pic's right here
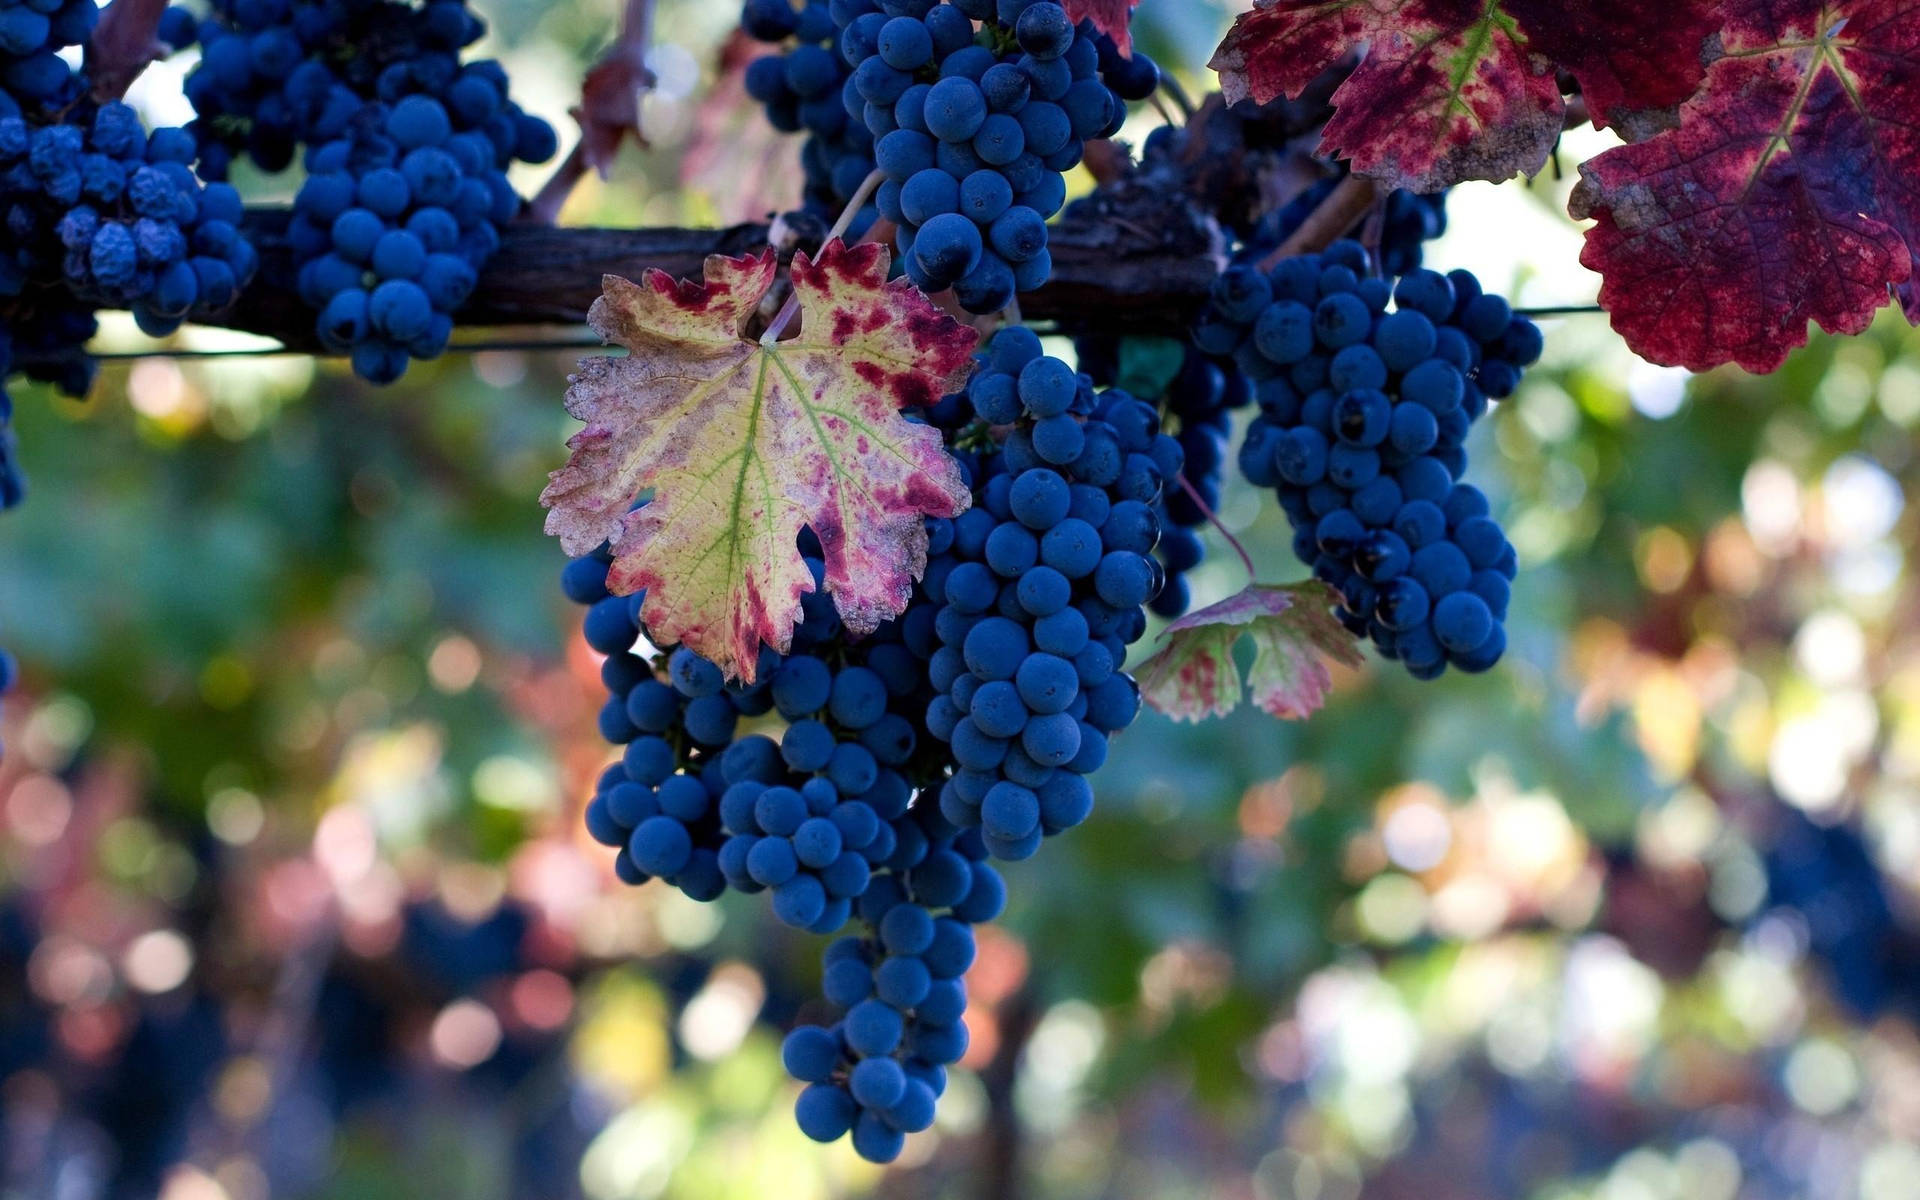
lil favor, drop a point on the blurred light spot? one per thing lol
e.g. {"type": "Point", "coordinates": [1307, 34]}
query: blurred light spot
{"type": "Point", "coordinates": [676, 72]}
{"type": "Point", "coordinates": [1282, 1054]}
{"type": "Point", "coordinates": [55, 730]}
{"type": "Point", "coordinates": [1899, 393]}
{"type": "Point", "coordinates": [1861, 500]}
{"type": "Point", "coordinates": [1470, 906]}
{"type": "Point", "coordinates": [634, 1156]}
{"type": "Point", "coordinates": [1770, 500]}
{"type": "Point", "coordinates": [157, 961]}
{"type": "Point", "coordinates": [1843, 393]}
{"type": "Point", "coordinates": [1708, 1170]}
{"type": "Point", "coordinates": [1678, 832]}
{"type": "Point", "coordinates": [1663, 559]}
{"type": "Point", "coordinates": [344, 845]}
{"type": "Point", "coordinates": [506, 781]}
{"type": "Point", "coordinates": [158, 391]}
{"type": "Point", "coordinates": [1813, 755]}
{"type": "Point", "coordinates": [542, 999]}
{"type": "Point", "coordinates": [1392, 908]}
{"type": "Point", "coordinates": [686, 923]}
{"type": "Point", "coordinates": [717, 1019]}
{"type": "Point", "coordinates": [128, 846]}
{"type": "Point", "coordinates": [187, 1183]}
{"type": "Point", "coordinates": [244, 1090]}
{"type": "Point", "coordinates": [1821, 1077]}
{"type": "Point", "coordinates": [464, 1034]}
{"type": "Point", "coordinates": [1890, 1172]}
{"type": "Point", "coordinates": [500, 368]}
{"type": "Point", "coordinates": [1519, 1038]}
{"type": "Point", "coordinates": [964, 1105]}
{"type": "Point", "coordinates": [1738, 885]}
{"type": "Point", "coordinates": [1869, 570]}
{"type": "Point", "coordinates": [1656, 391]}
{"type": "Point", "coordinates": [1064, 1048]}
{"type": "Point", "coordinates": [338, 662]}
{"type": "Point", "coordinates": [454, 666]}
{"type": "Point", "coordinates": [65, 971]}
{"type": "Point", "coordinates": [243, 1178]}
{"type": "Point", "coordinates": [1417, 835]}
{"type": "Point", "coordinates": [1831, 648]}
{"type": "Point", "coordinates": [1733, 562]}
{"type": "Point", "coordinates": [235, 816]}
{"type": "Point", "coordinates": [1611, 1004]}
{"type": "Point", "coordinates": [38, 809]}
{"type": "Point", "coordinates": [472, 891]}
{"type": "Point", "coordinates": [1188, 970]}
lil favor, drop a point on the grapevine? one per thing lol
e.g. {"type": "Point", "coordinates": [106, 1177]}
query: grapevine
{"type": "Point", "coordinates": [873, 575]}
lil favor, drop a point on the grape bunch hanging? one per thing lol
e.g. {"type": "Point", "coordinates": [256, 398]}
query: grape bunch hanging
{"type": "Point", "coordinates": [869, 784]}
{"type": "Point", "coordinates": [404, 149]}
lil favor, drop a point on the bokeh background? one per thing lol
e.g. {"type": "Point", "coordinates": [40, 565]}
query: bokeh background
{"type": "Point", "coordinates": [295, 899]}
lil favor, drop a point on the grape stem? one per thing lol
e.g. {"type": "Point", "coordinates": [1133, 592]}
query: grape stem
{"type": "Point", "coordinates": [125, 40]}
{"type": "Point", "coordinates": [611, 88]}
{"type": "Point", "coordinates": [1213, 519]}
{"type": "Point", "coordinates": [1347, 203]}
{"type": "Point", "coordinates": [791, 308]}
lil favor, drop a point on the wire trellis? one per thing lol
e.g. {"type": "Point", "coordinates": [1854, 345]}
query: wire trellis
{"type": "Point", "coordinates": [537, 345]}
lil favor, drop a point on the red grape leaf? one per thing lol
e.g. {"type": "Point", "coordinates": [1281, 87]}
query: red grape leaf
{"type": "Point", "coordinates": [1293, 630]}
{"type": "Point", "coordinates": [742, 443]}
{"type": "Point", "coordinates": [1636, 60]}
{"type": "Point", "coordinates": [1789, 192]}
{"type": "Point", "coordinates": [1111, 17]}
{"type": "Point", "coordinates": [1448, 90]}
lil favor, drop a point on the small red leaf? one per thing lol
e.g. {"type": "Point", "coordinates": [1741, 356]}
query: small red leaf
{"type": "Point", "coordinates": [1448, 91]}
{"type": "Point", "coordinates": [1789, 192]}
{"type": "Point", "coordinates": [743, 443]}
{"type": "Point", "coordinates": [1293, 630]}
{"type": "Point", "coordinates": [1111, 17]}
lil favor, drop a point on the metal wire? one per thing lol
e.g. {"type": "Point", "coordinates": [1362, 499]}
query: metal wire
{"type": "Point", "coordinates": [525, 344]}
{"type": "Point", "coordinates": [537, 345]}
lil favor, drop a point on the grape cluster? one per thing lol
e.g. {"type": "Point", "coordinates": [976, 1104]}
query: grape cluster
{"type": "Point", "coordinates": [406, 156]}
{"type": "Point", "coordinates": [1363, 419]}
{"type": "Point", "coordinates": [97, 212]}
{"type": "Point", "coordinates": [1197, 397]}
{"type": "Point", "coordinates": [34, 78]}
{"type": "Point", "coordinates": [808, 86]}
{"type": "Point", "coordinates": [1043, 589]}
{"type": "Point", "coordinates": [1408, 221]}
{"type": "Point", "coordinates": [962, 730]}
{"type": "Point", "coordinates": [275, 75]}
{"type": "Point", "coordinates": [974, 128]}
{"type": "Point", "coordinates": [391, 229]}
{"type": "Point", "coordinates": [137, 229]}
{"type": "Point", "coordinates": [878, 1071]}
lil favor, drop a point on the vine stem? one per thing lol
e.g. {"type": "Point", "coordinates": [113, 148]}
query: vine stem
{"type": "Point", "coordinates": [125, 41]}
{"type": "Point", "coordinates": [626, 57]}
{"type": "Point", "coordinates": [1213, 519]}
{"type": "Point", "coordinates": [791, 308]}
{"type": "Point", "coordinates": [1347, 203]}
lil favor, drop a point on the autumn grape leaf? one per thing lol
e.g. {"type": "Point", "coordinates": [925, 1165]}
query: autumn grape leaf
{"type": "Point", "coordinates": [742, 443]}
{"type": "Point", "coordinates": [1636, 60]}
{"type": "Point", "coordinates": [1448, 90]}
{"type": "Point", "coordinates": [1111, 17]}
{"type": "Point", "coordinates": [1789, 192]}
{"type": "Point", "coordinates": [1293, 630]}
{"type": "Point", "coordinates": [1452, 90]}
